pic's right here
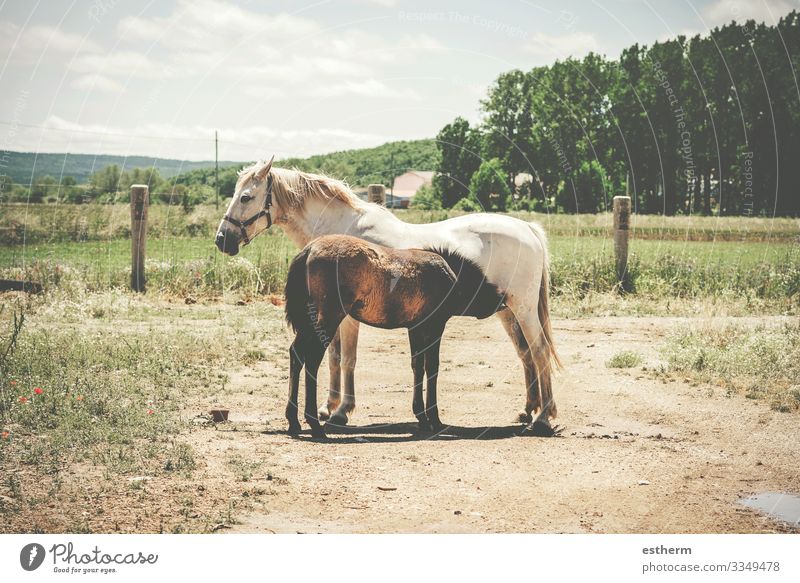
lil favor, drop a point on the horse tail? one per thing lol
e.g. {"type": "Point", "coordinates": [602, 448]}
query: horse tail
{"type": "Point", "coordinates": [296, 291]}
{"type": "Point", "coordinates": [544, 297]}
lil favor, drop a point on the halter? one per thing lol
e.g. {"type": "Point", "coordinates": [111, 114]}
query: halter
{"type": "Point", "coordinates": [264, 212]}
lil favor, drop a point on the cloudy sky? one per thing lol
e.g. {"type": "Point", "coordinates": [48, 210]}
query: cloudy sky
{"type": "Point", "coordinates": [293, 78]}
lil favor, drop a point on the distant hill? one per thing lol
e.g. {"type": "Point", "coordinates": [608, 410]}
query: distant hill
{"type": "Point", "coordinates": [358, 167]}
{"type": "Point", "coordinates": [20, 165]}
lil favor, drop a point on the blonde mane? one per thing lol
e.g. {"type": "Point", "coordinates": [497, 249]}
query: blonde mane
{"type": "Point", "coordinates": [291, 187]}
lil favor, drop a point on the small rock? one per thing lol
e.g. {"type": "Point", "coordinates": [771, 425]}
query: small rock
{"type": "Point", "coordinates": [140, 478]}
{"type": "Point", "coordinates": [644, 483]}
{"type": "Point", "coordinates": [387, 488]}
{"type": "Point", "coordinates": [240, 303]}
{"type": "Point", "coordinates": [457, 512]}
{"type": "Point", "coordinates": [190, 300]}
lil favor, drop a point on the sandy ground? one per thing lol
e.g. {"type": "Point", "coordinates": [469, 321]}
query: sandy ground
{"type": "Point", "coordinates": [638, 453]}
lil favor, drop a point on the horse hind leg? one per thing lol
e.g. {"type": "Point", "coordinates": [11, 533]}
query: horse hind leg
{"type": "Point", "coordinates": [541, 355]}
{"type": "Point", "coordinates": [348, 333]}
{"type": "Point", "coordinates": [532, 398]}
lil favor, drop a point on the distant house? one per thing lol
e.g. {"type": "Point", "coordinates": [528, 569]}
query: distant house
{"type": "Point", "coordinates": [406, 186]}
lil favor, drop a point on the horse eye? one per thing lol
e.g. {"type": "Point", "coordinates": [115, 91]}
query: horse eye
{"type": "Point", "coordinates": [246, 198]}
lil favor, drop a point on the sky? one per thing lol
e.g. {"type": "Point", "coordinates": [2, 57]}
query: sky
{"type": "Point", "coordinates": [294, 78]}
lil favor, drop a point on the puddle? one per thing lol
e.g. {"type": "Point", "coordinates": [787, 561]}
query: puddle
{"type": "Point", "coordinates": [776, 505]}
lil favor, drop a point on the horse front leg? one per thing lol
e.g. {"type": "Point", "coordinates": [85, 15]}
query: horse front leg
{"type": "Point", "coordinates": [313, 359]}
{"type": "Point", "coordinates": [296, 360]}
{"type": "Point", "coordinates": [417, 346]}
{"type": "Point", "coordinates": [335, 382]}
{"type": "Point", "coordinates": [348, 334]}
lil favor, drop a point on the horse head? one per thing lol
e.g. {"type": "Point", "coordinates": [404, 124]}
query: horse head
{"type": "Point", "coordinates": [250, 210]}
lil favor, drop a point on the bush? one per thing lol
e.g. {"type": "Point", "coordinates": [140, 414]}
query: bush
{"type": "Point", "coordinates": [426, 199]}
{"type": "Point", "coordinates": [467, 205]}
{"type": "Point", "coordinates": [489, 185]}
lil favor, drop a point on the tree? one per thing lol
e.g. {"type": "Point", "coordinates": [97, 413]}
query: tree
{"type": "Point", "coordinates": [43, 187]}
{"type": "Point", "coordinates": [489, 185]}
{"type": "Point", "coordinates": [426, 199]}
{"type": "Point", "coordinates": [460, 149]}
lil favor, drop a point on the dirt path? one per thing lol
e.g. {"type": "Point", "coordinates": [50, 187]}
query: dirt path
{"type": "Point", "coordinates": [638, 454]}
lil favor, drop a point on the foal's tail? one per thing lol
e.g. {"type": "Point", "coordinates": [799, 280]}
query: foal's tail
{"type": "Point", "coordinates": [544, 296]}
{"type": "Point", "coordinates": [296, 291]}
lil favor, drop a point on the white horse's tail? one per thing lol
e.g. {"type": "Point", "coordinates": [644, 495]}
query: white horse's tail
{"type": "Point", "coordinates": [544, 296]}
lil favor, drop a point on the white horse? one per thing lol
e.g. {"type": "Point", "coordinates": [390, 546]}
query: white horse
{"type": "Point", "coordinates": [512, 254]}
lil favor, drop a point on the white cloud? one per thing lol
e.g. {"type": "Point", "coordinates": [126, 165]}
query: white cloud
{"type": "Point", "coordinates": [121, 64]}
{"type": "Point", "coordinates": [95, 82]}
{"type": "Point", "coordinates": [192, 143]}
{"type": "Point", "coordinates": [724, 11]}
{"type": "Point", "coordinates": [363, 88]}
{"type": "Point", "coordinates": [549, 47]}
{"type": "Point", "coordinates": [28, 44]}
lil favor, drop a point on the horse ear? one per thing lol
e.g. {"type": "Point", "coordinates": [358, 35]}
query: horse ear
{"type": "Point", "coordinates": [265, 170]}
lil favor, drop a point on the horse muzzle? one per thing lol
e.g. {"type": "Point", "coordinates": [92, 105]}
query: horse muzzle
{"type": "Point", "coordinates": [227, 242]}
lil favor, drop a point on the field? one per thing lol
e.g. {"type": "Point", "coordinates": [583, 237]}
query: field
{"type": "Point", "coordinates": [676, 400]}
{"type": "Point", "coordinates": [742, 262]}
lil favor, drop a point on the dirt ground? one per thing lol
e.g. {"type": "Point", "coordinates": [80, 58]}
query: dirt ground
{"type": "Point", "coordinates": [638, 453]}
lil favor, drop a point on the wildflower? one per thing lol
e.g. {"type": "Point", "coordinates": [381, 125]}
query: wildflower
{"type": "Point", "coordinates": [150, 411]}
{"type": "Point", "coordinates": [23, 400]}
{"type": "Point", "coordinates": [79, 397]}
{"type": "Point", "coordinates": [5, 434]}
{"type": "Point", "coordinates": [13, 382]}
{"type": "Point", "coordinates": [38, 391]}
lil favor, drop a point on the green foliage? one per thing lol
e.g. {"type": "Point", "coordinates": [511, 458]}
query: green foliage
{"type": "Point", "coordinates": [468, 205]}
{"type": "Point", "coordinates": [666, 115]}
{"type": "Point", "coordinates": [460, 153]}
{"type": "Point", "coordinates": [377, 165]}
{"type": "Point", "coordinates": [426, 198]}
{"type": "Point", "coordinates": [488, 186]}
{"type": "Point", "coordinates": [585, 190]}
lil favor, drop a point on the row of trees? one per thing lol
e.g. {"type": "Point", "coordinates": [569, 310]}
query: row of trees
{"type": "Point", "coordinates": [110, 184]}
{"type": "Point", "coordinates": [709, 124]}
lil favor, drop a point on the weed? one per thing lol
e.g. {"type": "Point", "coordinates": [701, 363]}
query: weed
{"type": "Point", "coordinates": [624, 359]}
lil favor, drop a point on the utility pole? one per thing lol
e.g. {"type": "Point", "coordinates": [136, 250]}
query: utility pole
{"type": "Point", "coordinates": [216, 168]}
{"type": "Point", "coordinates": [391, 179]}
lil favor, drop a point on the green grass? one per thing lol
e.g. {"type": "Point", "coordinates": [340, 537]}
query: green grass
{"type": "Point", "coordinates": [761, 362]}
{"type": "Point", "coordinates": [101, 396]}
{"type": "Point", "coordinates": [754, 262]}
{"type": "Point", "coordinates": [624, 359]}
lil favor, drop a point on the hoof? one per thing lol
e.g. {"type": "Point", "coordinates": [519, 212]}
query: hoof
{"type": "Point", "coordinates": [436, 425]}
{"type": "Point", "coordinates": [324, 414]}
{"type": "Point", "coordinates": [294, 429]}
{"type": "Point", "coordinates": [540, 428]}
{"type": "Point", "coordinates": [424, 427]}
{"type": "Point", "coordinates": [337, 419]}
{"type": "Point", "coordinates": [318, 433]}
{"type": "Point", "coordinates": [524, 417]}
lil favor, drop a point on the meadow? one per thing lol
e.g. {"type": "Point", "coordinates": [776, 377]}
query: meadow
{"type": "Point", "coordinates": [754, 262]}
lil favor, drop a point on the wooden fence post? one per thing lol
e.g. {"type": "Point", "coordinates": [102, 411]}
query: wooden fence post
{"type": "Point", "coordinates": [376, 193]}
{"type": "Point", "coordinates": [139, 203]}
{"type": "Point", "coordinates": [622, 219]}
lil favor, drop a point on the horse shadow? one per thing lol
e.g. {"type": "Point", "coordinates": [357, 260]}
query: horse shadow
{"type": "Point", "coordinates": [405, 432]}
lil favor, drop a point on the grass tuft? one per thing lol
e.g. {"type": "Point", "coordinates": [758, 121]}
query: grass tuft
{"type": "Point", "coordinates": [625, 359]}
